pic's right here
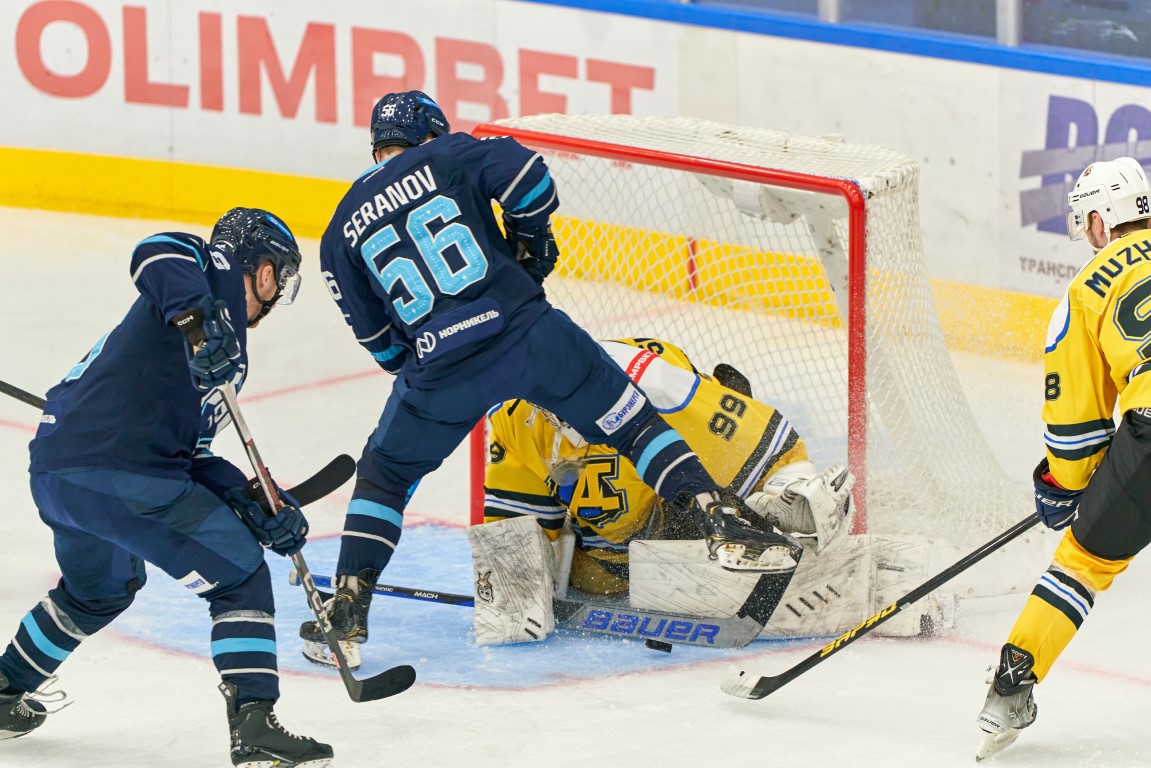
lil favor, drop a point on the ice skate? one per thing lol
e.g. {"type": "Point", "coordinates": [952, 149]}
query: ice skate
{"type": "Point", "coordinates": [1010, 705]}
{"type": "Point", "coordinates": [348, 612]}
{"type": "Point", "coordinates": [259, 741]}
{"type": "Point", "coordinates": [736, 543]}
{"type": "Point", "coordinates": [21, 713]}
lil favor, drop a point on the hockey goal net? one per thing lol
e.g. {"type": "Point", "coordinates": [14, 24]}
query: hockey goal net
{"type": "Point", "coordinates": [796, 259]}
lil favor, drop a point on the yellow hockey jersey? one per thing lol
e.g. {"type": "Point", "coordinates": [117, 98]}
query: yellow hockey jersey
{"type": "Point", "coordinates": [1098, 351]}
{"type": "Point", "coordinates": [535, 469]}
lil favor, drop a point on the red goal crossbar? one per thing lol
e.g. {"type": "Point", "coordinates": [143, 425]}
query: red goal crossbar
{"type": "Point", "coordinates": [857, 277]}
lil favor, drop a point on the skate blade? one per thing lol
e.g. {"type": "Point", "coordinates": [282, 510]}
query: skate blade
{"type": "Point", "coordinates": [994, 743]}
{"type": "Point", "coordinates": [320, 653]}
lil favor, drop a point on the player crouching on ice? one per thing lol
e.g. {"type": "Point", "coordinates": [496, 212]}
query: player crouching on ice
{"type": "Point", "coordinates": [543, 478]}
{"type": "Point", "coordinates": [122, 472]}
{"type": "Point", "coordinates": [1095, 480]}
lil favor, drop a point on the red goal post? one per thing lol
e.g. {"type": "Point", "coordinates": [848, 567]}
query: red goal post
{"type": "Point", "coordinates": [796, 259]}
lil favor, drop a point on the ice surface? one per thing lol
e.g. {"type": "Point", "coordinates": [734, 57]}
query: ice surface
{"type": "Point", "coordinates": [144, 690]}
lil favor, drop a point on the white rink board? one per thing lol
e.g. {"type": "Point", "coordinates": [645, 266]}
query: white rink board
{"type": "Point", "coordinates": [165, 80]}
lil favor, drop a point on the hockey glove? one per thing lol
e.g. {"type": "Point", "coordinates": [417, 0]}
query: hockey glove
{"type": "Point", "coordinates": [285, 533]}
{"type": "Point", "coordinates": [535, 249]}
{"type": "Point", "coordinates": [1057, 507]}
{"type": "Point", "coordinates": [213, 349]}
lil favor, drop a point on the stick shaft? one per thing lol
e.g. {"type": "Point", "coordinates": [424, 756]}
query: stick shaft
{"type": "Point", "coordinates": [23, 396]}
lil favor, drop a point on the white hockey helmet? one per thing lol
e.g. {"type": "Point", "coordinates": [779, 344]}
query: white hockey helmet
{"type": "Point", "coordinates": [1117, 190]}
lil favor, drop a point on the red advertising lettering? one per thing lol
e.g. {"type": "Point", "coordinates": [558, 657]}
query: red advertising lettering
{"type": "Point", "coordinates": [368, 85]}
{"type": "Point", "coordinates": [317, 55]}
{"type": "Point", "coordinates": [138, 88]}
{"type": "Point", "coordinates": [211, 62]}
{"type": "Point", "coordinates": [623, 79]}
{"type": "Point", "coordinates": [453, 89]}
{"type": "Point", "coordinates": [29, 30]}
{"type": "Point", "coordinates": [533, 65]}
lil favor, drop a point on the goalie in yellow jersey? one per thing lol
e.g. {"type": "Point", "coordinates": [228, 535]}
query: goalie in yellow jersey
{"type": "Point", "coordinates": [612, 534]}
{"type": "Point", "coordinates": [1095, 479]}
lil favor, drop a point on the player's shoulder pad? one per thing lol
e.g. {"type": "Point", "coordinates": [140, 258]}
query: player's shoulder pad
{"type": "Point", "coordinates": [177, 243]}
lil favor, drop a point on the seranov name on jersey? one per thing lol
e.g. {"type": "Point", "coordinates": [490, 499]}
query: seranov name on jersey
{"type": "Point", "coordinates": [407, 189]}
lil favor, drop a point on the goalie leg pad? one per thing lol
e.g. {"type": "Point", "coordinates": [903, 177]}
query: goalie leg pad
{"type": "Point", "coordinates": [828, 595]}
{"type": "Point", "coordinates": [514, 583]}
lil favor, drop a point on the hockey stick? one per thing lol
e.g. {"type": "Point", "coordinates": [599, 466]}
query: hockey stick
{"type": "Point", "coordinates": [657, 628]}
{"type": "Point", "coordinates": [737, 683]}
{"type": "Point", "coordinates": [21, 395]}
{"type": "Point", "coordinates": [387, 683]}
{"type": "Point", "coordinates": [330, 477]}
{"type": "Point", "coordinates": [426, 595]}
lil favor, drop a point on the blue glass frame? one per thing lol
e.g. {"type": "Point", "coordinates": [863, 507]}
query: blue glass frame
{"type": "Point", "coordinates": [1087, 65]}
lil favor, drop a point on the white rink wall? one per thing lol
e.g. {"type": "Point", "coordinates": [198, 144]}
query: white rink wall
{"type": "Point", "coordinates": [287, 85]}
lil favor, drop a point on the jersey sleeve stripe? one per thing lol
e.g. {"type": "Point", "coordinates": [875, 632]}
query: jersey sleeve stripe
{"type": "Point", "coordinates": [547, 206]}
{"type": "Point", "coordinates": [377, 334]}
{"type": "Point", "coordinates": [148, 261]}
{"type": "Point", "coordinates": [1078, 454]}
{"type": "Point", "coordinates": [1141, 368]}
{"type": "Point", "coordinates": [778, 438]}
{"type": "Point", "coordinates": [1081, 428]}
{"type": "Point", "coordinates": [506, 507]}
{"type": "Point", "coordinates": [686, 400]}
{"type": "Point", "coordinates": [544, 184]}
{"type": "Point", "coordinates": [503, 198]}
{"type": "Point", "coordinates": [388, 353]}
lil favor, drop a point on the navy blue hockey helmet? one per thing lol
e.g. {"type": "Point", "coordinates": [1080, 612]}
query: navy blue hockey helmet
{"type": "Point", "coordinates": [405, 119]}
{"type": "Point", "coordinates": [253, 236]}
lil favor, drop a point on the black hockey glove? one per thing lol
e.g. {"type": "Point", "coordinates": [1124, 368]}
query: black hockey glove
{"type": "Point", "coordinates": [213, 349]}
{"type": "Point", "coordinates": [285, 533]}
{"type": "Point", "coordinates": [535, 249]}
{"type": "Point", "coordinates": [1057, 507]}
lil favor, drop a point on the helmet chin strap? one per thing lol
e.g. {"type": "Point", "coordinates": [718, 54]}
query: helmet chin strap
{"type": "Point", "coordinates": [265, 306]}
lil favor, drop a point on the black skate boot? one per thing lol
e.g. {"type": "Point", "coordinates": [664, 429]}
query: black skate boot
{"type": "Point", "coordinates": [21, 713]}
{"type": "Point", "coordinates": [259, 741]}
{"type": "Point", "coordinates": [1010, 706]}
{"type": "Point", "coordinates": [348, 612]}
{"type": "Point", "coordinates": [738, 544]}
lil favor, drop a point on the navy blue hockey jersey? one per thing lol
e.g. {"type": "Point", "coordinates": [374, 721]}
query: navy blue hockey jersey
{"type": "Point", "coordinates": [417, 263]}
{"type": "Point", "coordinates": [130, 402]}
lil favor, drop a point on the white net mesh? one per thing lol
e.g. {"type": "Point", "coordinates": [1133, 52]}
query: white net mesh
{"type": "Point", "coordinates": [756, 275]}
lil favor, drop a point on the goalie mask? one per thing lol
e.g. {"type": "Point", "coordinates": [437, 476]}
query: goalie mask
{"type": "Point", "coordinates": [1115, 189]}
{"type": "Point", "coordinates": [405, 120]}
{"type": "Point", "coordinates": [568, 449]}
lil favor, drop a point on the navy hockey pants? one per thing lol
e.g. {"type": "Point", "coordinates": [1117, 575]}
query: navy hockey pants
{"type": "Point", "coordinates": [552, 363]}
{"type": "Point", "coordinates": [105, 523]}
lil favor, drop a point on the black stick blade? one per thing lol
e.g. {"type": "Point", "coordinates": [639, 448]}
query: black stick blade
{"type": "Point", "coordinates": [381, 686]}
{"type": "Point", "coordinates": [337, 472]}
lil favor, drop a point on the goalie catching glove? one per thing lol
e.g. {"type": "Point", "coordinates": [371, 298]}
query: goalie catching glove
{"type": "Point", "coordinates": [534, 248]}
{"type": "Point", "coordinates": [806, 503]}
